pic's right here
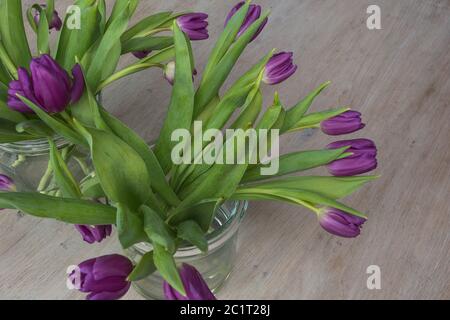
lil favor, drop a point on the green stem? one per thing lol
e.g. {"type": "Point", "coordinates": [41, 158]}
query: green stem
{"type": "Point", "coordinates": [154, 31]}
{"type": "Point", "coordinates": [83, 165]}
{"type": "Point", "coordinates": [20, 159]}
{"type": "Point", "coordinates": [45, 178]}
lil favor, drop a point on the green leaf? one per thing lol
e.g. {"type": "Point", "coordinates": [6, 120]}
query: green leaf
{"type": "Point", "coordinates": [7, 62]}
{"type": "Point", "coordinates": [119, 7]}
{"type": "Point", "coordinates": [8, 114]}
{"type": "Point", "coordinates": [5, 79]}
{"type": "Point", "coordinates": [129, 182]}
{"type": "Point", "coordinates": [43, 35]}
{"type": "Point", "coordinates": [150, 43]}
{"type": "Point", "coordinates": [72, 211]}
{"type": "Point", "coordinates": [210, 86]}
{"type": "Point", "coordinates": [129, 227]}
{"type": "Point", "coordinates": [157, 230]}
{"type": "Point", "coordinates": [64, 178]}
{"type": "Point", "coordinates": [75, 42]}
{"type": "Point", "coordinates": [156, 173]}
{"type": "Point", "coordinates": [226, 39]}
{"type": "Point", "coordinates": [55, 124]}
{"type": "Point", "coordinates": [147, 24]}
{"type": "Point", "coordinates": [295, 114]}
{"type": "Point", "coordinates": [191, 232]}
{"type": "Point", "coordinates": [92, 188]}
{"type": "Point", "coordinates": [315, 119]}
{"type": "Point", "coordinates": [332, 187]}
{"type": "Point", "coordinates": [34, 127]}
{"type": "Point", "coordinates": [9, 134]}
{"type": "Point", "coordinates": [295, 162]}
{"type": "Point", "coordinates": [250, 112]}
{"type": "Point", "coordinates": [49, 8]}
{"type": "Point", "coordinates": [103, 17]}
{"type": "Point", "coordinates": [144, 268]}
{"type": "Point", "coordinates": [166, 266]}
{"type": "Point", "coordinates": [107, 54]}
{"type": "Point", "coordinates": [12, 32]}
{"type": "Point", "coordinates": [182, 102]}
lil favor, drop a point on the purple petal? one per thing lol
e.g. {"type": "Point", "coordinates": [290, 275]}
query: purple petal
{"type": "Point", "coordinates": [109, 295]}
{"type": "Point", "coordinates": [78, 84]}
{"type": "Point", "coordinates": [112, 265]}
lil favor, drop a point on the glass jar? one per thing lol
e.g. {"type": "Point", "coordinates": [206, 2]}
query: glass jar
{"type": "Point", "coordinates": [215, 265]}
{"type": "Point", "coordinates": [27, 163]}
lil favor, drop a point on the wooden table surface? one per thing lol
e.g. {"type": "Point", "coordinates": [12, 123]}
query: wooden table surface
{"type": "Point", "coordinates": [398, 77]}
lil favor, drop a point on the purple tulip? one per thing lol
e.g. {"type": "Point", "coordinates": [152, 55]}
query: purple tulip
{"type": "Point", "coordinates": [105, 278]}
{"type": "Point", "coordinates": [340, 223]}
{"type": "Point", "coordinates": [49, 86]}
{"type": "Point", "coordinates": [362, 160]}
{"type": "Point", "coordinates": [6, 183]}
{"type": "Point", "coordinates": [141, 54]}
{"type": "Point", "coordinates": [347, 122]}
{"type": "Point", "coordinates": [194, 25]}
{"type": "Point", "coordinates": [279, 68]}
{"type": "Point", "coordinates": [56, 22]}
{"type": "Point", "coordinates": [253, 14]}
{"type": "Point", "coordinates": [93, 234]}
{"type": "Point", "coordinates": [196, 288]}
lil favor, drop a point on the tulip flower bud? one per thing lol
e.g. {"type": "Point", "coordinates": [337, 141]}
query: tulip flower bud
{"type": "Point", "coordinates": [196, 288]}
{"type": "Point", "coordinates": [56, 22]}
{"type": "Point", "coordinates": [6, 183]}
{"type": "Point", "coordinates": [169, 72]}
{"type": "Point", "coordinates": [49, 86]}
{"type": "Point", "coordinates": [141, 54]}
{"type": "Point", "coordinates": [194, 25]}
{"type": "Point", "coordinates": [93, 234]}
{"type": "Point", "coordinates": [340, 223]}
{"type": "Point", "coordinates": [347, 122]}
{"type": "Point", "coordinates": [104, 278]}
{"type": "Point", "coordinates": [279, 68]}
{"type": "Point", "coordinates": [253, 14]}
{"type": "Point", "coordinates": [362, 160]}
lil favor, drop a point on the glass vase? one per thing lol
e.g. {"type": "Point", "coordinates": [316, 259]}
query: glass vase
{"type": "Point", "coordinates": [215, 265]}
{"type": "Point", "coordinates": [27, 163]}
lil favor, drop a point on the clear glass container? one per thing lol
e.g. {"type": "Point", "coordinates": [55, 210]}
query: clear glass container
{"type": "Point", "coordinates": [27, 163]}
{"type": "Point", "coordinates": [215, 266]}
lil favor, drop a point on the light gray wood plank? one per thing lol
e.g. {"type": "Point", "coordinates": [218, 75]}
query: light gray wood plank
{"type": "Point", "coordinates": [398, 77]}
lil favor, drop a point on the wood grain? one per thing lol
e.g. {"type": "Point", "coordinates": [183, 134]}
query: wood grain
{"type": "Point", "coordinates": [398, 77]}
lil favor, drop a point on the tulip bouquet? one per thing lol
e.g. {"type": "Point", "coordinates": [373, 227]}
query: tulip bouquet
{"type": "Point", "coordinates": [151, 198]}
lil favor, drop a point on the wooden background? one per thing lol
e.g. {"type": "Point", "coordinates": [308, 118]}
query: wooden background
{"type": "Point", "coordinates": [398, 77]}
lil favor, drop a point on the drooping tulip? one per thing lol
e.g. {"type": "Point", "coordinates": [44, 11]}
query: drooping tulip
{"type": "Point", "coordinates": [194, 285]}
{"type": "Point", "coordinates": [141, 54]}
{"type": "Point", "coordinates": [104, 278]}
{"type": "Point", "coordinates": [6, 183]}
{"type": "Point", "coordinates": [253, 14]}
{"type": "Point", "coordinates": [362, 160]}
{"type": "Point", "coordinates": [340, 223]}
{"type": "Point", "coordinates": [279, 68]}
{"type": "Point", "coordinates": [347, 122]}
{"type": "Point", "coordinates": [56, 22]}
{"type": "Point", "coordinates": [194, 25]}
{"type": "Point", "coordinates": [92, 234]}
{"type": "Point", "coordinates": [49, 86]}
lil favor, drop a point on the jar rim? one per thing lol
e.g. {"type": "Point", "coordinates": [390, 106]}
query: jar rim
{"type": "Point", "coordinates": [219, 235]}
{"type": "Point", "coordinates": [37, 146]}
